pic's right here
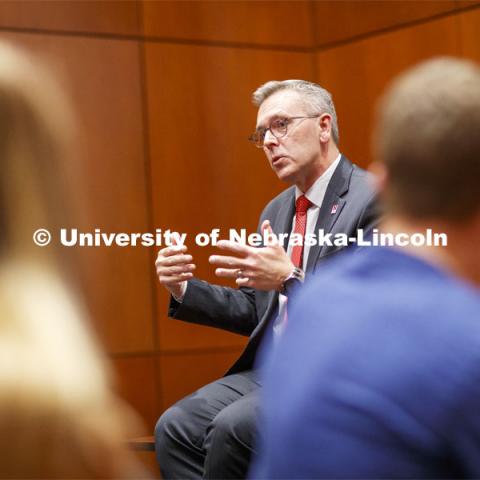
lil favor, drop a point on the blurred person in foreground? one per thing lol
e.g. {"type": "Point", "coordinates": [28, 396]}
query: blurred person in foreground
{"type": "Point", "coordinates": [378, 375]}
{"type": "Point", "coordinates": [58, 415]}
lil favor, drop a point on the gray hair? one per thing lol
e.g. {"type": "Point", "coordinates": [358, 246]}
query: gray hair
{"type": "Point", "coordinates": [317, 99]}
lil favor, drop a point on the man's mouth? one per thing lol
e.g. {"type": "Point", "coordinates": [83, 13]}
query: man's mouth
{"type": "Point", "coordinates": [277, 159]}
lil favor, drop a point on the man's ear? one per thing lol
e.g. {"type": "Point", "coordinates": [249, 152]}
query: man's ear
{"type": "Point", "coordinates": [325, 124]}
{"type": "Point", "coordinates": [380, 174]}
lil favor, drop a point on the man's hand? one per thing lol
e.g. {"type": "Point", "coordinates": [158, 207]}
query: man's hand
{"type": "Point", "coordinates": [263, 268]}
{"type": "Point", "coordinates": [174, 268]}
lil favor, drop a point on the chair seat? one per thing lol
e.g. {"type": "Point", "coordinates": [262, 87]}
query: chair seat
{"type": "Point", "coordinates": [142, 443]}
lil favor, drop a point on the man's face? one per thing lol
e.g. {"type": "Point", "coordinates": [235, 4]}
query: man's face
{"type": "Point", "coordinates": [294, 157]}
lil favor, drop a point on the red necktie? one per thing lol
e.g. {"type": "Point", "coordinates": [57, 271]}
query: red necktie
{"type": "Point", "coordinates": [301, 206]}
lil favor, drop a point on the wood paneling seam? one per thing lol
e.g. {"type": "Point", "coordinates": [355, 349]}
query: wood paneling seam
{"type": "Point", "coordinates": [394, 28]}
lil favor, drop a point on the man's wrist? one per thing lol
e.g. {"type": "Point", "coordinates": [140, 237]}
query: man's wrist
{"type": "Point", "coordinates": [293, 280]}
{"type": "Point", "coordinates": [283, 278]}
{"type": "Point", "coordinates": [179, 295]}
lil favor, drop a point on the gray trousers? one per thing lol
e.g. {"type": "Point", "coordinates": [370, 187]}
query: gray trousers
{"type": "Point", "coordinates": [210, 433]}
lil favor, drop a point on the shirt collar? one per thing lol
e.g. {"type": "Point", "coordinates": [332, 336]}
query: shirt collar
{"type": "Point", "coordinates": [317, 191]}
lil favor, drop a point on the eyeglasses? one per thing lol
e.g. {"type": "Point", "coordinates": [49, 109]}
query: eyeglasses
{"type": "Point", "coordinates": [277, 127]}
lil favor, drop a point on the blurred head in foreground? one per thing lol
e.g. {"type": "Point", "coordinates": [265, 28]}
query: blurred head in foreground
{"type": "Point", "coordinates": [428, 142]}
{"type": "Point", "coordinates": [58, 415]}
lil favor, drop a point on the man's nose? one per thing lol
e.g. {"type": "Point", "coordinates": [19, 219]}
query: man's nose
{"type": "Point", "coordinates": [269, 139]}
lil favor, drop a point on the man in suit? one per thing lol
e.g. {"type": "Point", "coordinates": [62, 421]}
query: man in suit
{"type": "Point", "coordinates": [377, 375]}
{"type": "Point", "coordinates": [210, 433]}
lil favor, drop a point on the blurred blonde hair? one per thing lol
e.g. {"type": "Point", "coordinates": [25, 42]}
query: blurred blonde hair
{"type": "Point", "coordinates": [35, 125]}
{"type": "Point", "coordinates": [58, 415]}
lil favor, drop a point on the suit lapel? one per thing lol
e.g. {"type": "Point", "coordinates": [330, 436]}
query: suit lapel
{"type": "Point", "coordinates": [331, 206]}
{"type": "Point", "coordinates": [283, 222]}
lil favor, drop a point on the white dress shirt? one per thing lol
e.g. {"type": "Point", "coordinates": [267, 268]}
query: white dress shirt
{"type": "Point", "coordinates": [316, 194]}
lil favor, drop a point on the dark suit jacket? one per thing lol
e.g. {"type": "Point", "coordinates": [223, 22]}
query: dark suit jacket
{"type": "Point", "coordinates": [248, 311]}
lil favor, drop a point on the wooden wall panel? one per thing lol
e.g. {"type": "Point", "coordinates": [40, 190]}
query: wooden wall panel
{"type": "Point", "coordinates": [95, 16]}
{"type": "Point", "coordinates": [150, 463]}
{"type": "Point", "coordinates": [285, 23]}
{"type": "Point", "coordinates": [470, 34]}
{"type": "Point", "coordinates": [107, 182]}
{"type": "Point", "coordinates": [468, 3]}
{"type": "Point", "coordinates": [137, 384]}
{"type": "Point", "coordinates": [335, 21]}
{"type": "Point", "coordinates": [176, 335]}
{"type": "Point", "coordinates": [357, 73]}
{"type": "Point", "coordinates": [205, 173]}
{"type": "Point", "coordinates": [183, 374]}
